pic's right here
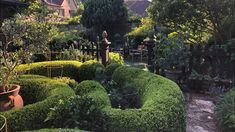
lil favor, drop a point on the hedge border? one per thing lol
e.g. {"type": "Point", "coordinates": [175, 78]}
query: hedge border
{"type": "Point", "coordinates": [32, 116]}
{"type": "Point", "coordinates": [163, 104]}
{"type": "Point", "coordinates": [72, 69]}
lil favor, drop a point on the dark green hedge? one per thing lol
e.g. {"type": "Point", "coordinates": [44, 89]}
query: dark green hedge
{"type": "Point", "coordinates": [111, 68]}
{"type": "Point", "coordinates": [57, 130]}
{"type": "Point", "coordinates": [163, 105]}
{"type": "Point", "coordinates": [225, 112]}
{"type": "Point", "coordinates": [73, 69]}
{"type": "Point", "coordinates": [39, 95]}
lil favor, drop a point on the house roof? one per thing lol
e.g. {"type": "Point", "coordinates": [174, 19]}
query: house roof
{"type": "Point", "coordinates": [12, 2]}
{"type": "Point", "coordinates": [138, 7]}
{"type": "Point", "coordinates": [56, 2]}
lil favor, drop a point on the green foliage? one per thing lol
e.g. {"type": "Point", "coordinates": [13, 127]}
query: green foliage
{"type": "Point", "coordinates": [225, 113]}
{"type": "Point", "coordinates": [111, 68]}
{"type": "Point", "coordinates": [71, 82]}
{"type": "Point", "coordinates": [157, 94]}
{"type": "Point", "coordinates": [57, 130]}
{"type": "Point", "coordinates": [23, 38]}
{"type": "Point", "coordinates": [61, 39]}
{"type": "Point", "coordinates": [72, 69]}
{"type": "Point", "coordinates": [90, 70]}
{"type": "Point", "coordinates": [86, 106]}
{"type": "Point", "coordinates": [196, 20]}
{"type": "Point", "coordinates": [162, 102]}
{"type": "Point", "coordinates": [39, 94]}
{"type": "Point", "coordinates": [103, 13]}
{"type": "Point", "coordinates": [147, 24]}
{"type": "Point", "coordinates": [76, 112]}
{"type": "Point", "coordinates": [116, 58]}
{"type": "Point", "coordinates": [171, 52]}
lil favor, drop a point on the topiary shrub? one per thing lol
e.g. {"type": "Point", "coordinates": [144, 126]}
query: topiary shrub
{"type": "Point", "coordinates": [225, 112]}
{"type": "Point", "coordinates": [162, 105]}
{"type": "Point", "coordinates": [72, 69]}
{"type": "Point", "coordinates": [116, 58]}
{"type": "Point", "coordinates": [111, 68]}
{"type": "Point", "coordinates": [39, 95]}
{"type": "Point", "coordinates": [89, 70]}
{"type": "Point", "coordinates": [82, 111]}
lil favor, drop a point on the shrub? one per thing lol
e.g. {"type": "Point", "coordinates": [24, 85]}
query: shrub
{"type": "Point", "coordinates": [161, 100]}
{"type": "Point", "coordinates": [57, 130]}
{"type": "Point", "coordinates": [225, 112]}
{"type": "Point", "coordinates": [116, 58]}
{"type": "Point", "coordinates": [81, 111]}
{"type": "Point", "coordinates": [39, 95]}
{"type": "Point", "coordinates": [72, 69]}
{"type": "Point", "coordinates": [111, 68]}
{"type": "Point", "coordinates": [89, 70]}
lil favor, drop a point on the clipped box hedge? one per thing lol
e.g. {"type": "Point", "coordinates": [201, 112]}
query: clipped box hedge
{"type": "Point", "coordinates": [72, 69]}
{"type": "Point", "coordinates": [162, 109]}
{"type": "Point", "coordinates": [39, 95]}
{"type": "Point", "coordinates": [57, 130]}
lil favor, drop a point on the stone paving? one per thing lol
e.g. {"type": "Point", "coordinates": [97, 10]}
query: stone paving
{"type": "Point", "coordinates": [200, 113]}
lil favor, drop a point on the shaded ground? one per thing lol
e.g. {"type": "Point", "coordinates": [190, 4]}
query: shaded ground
{"type": "Point", "coordinates": [200, 113]}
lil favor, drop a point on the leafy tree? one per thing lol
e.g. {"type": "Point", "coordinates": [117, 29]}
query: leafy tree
{"type": "Point", "coordinates": [196, 19]}
{"type": "Point", "coordinates": [102, 14]}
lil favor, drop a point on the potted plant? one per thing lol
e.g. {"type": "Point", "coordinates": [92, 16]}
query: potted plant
{"type": "Point", "coordinates": [23, 38]}
{"type": "Point", "coordinates": [171, 56]}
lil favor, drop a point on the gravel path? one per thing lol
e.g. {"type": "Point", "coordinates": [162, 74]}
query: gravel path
{"type": "Point", "coordinates": [200, 113]}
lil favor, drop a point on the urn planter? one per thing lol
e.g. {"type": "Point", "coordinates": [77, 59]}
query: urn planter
{"type": "Point", "coordinates": [11, 99]}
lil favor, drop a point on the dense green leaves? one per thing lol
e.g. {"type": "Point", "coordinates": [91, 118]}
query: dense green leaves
{"type": "Point", "coordinates": [196, 19]}
{"type": "Point", "coordinates": [39, 94]}
{"type": "Point", "coordinates": [103, 13]}
{"type": "Point", "coordinates": [225, 112]}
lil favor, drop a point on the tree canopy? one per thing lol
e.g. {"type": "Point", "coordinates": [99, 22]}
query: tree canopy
{"type": "Point", "coordinates": [103, 13]}
{"type": "Point", "coordinates": [196, 19]}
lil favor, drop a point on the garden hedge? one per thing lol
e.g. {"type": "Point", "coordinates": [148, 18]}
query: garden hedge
{"type": "Point", "coordinates": [72, 69]}
{"type": "Point", "coordinates": [39, 95]}
{"type": "Point", "coordinates": [57, 130]}
{"type": "Point", "coordinates": [111, 68]}
{"type": "Point", "coordinates": [162, 109]}
{"type": "Point", "coordinates": [225, 112]}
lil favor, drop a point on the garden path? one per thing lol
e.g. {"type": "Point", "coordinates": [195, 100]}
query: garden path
{"type": "Point", "coordinates": [200, 113]}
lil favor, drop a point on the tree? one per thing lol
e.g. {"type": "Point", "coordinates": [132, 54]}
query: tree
{"type": "Point", "coordinates": [102, 14]}
{"type": "Point", "coordinates": [197, 20]}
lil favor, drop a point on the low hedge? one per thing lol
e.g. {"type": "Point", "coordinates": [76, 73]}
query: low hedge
{"type": "Point", "coordinates": [225, 112]}
{"type": "Point", "coordinates": [57, 130]}
{"type": "Point", "coordinates": [162, 102]}
{"type": "Point", "coordinates": [72, 69]}
{"type": "Point", "coordinates": [111, 68]}
{"type": "Point", "coordinates": [39, 95]}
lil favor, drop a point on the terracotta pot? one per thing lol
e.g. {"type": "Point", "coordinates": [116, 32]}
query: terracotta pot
{"type": "Point", "coordinates": [11, 99]}
{"type": "Point", "coordinates": [173, 75]}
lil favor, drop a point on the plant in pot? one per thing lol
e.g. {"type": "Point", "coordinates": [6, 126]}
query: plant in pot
{"type": "Point", "coordinates": [171, 56]}
{"type": "Point", "coordinates": [23, 38]}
